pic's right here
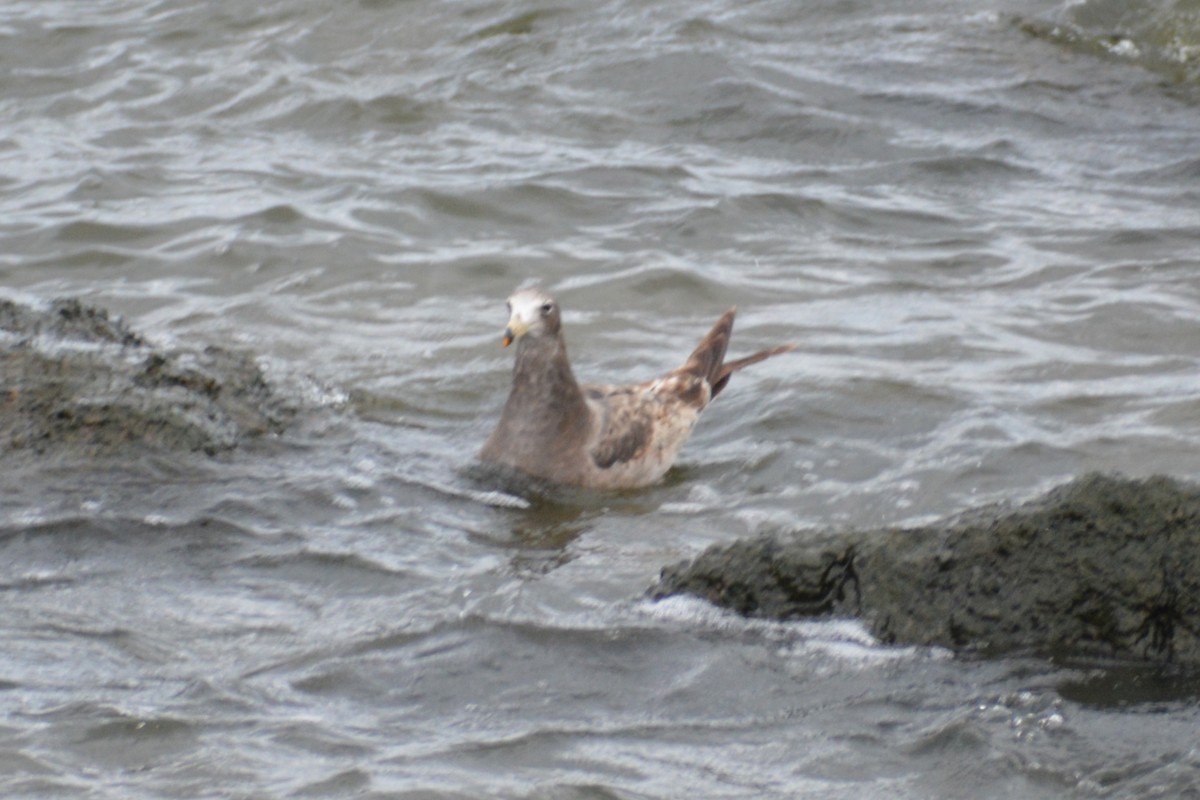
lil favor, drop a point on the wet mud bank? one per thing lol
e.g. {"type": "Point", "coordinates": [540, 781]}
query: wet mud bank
{"type": "Point", "coordinates": [1103, 566]}
{"type": "Point", "coordinates": [72, 379]}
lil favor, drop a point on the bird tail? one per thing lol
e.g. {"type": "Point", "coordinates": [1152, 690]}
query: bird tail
{"type": "Point", "coordinates": [708, 359]}
{"type": "Point", "coordinates": [728, 368]}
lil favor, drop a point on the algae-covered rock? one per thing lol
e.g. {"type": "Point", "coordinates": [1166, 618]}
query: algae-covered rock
{"type": "Point", "coordinates": [72, 379]}
{"type": "Point", "coordinates": [1101, 566]}
{"type": "Point", "coordinates": [1160, 35]}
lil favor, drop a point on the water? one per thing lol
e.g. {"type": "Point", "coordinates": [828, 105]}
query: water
{"type": "Point", "coordinates": [981, 226]}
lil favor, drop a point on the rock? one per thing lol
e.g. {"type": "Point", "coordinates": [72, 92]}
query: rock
{"type": "Point", "coordinates": [71, 378]}
{"type": "Point", "coordinates": [1102, 566]}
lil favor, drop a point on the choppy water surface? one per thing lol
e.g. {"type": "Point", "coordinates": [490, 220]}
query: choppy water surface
{"type": "Point", "coordinates": [980, 226]}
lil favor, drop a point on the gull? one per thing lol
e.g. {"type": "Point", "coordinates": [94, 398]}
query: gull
{"type": "Point", "coordinates": [599, 436]}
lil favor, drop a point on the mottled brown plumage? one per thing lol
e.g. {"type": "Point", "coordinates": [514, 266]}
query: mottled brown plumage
{"type": "Point", "coordinates": [599, 436]}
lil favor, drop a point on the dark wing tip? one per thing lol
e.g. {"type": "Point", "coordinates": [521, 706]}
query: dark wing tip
{"type": "Point", "coordinates": [731, 367]}
{"type": "Point", "coordinates": [705, 361]}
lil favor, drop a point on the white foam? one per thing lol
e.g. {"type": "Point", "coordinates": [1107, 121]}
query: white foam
{"type": "Point", "coordinates": [844, 639]}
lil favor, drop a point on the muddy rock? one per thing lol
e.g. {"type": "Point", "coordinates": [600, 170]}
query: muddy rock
{"type": "Point", "coordinates": [1103, 566]}
{"type": "Point", "coordinates": [72, 379]}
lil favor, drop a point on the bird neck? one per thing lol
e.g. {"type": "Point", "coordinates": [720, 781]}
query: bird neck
{"type": "Point", "coordinates": [544, 390]}
{"type": "Point", "coordinates": [546, 421]}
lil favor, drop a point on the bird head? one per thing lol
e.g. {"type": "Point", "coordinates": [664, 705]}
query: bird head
{"type": "Point", "coordinates": [532, 312]}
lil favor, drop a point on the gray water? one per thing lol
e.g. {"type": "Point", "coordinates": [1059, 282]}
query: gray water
{"type": "Point", "coordinates": [981, 225]}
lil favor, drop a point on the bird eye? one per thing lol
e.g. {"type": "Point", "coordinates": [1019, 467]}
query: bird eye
{"type": "Point", "coordinates": [509, 307]}
{"type": "Point", "coordinates": [547, 308]}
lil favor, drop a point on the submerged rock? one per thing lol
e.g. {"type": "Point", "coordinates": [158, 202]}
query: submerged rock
{"type": "Point", "coordinates": [71, 378]}
{"type": "Point", "coordinates": [1160, 35]}
{"type": "Point", "coordinates": [1101, 566]}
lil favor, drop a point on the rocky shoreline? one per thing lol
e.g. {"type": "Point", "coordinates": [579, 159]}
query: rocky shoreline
{"type": "Point", "coordinates": [74, 380]}
{"type": "Point", "coordinates": [1103, 566]}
